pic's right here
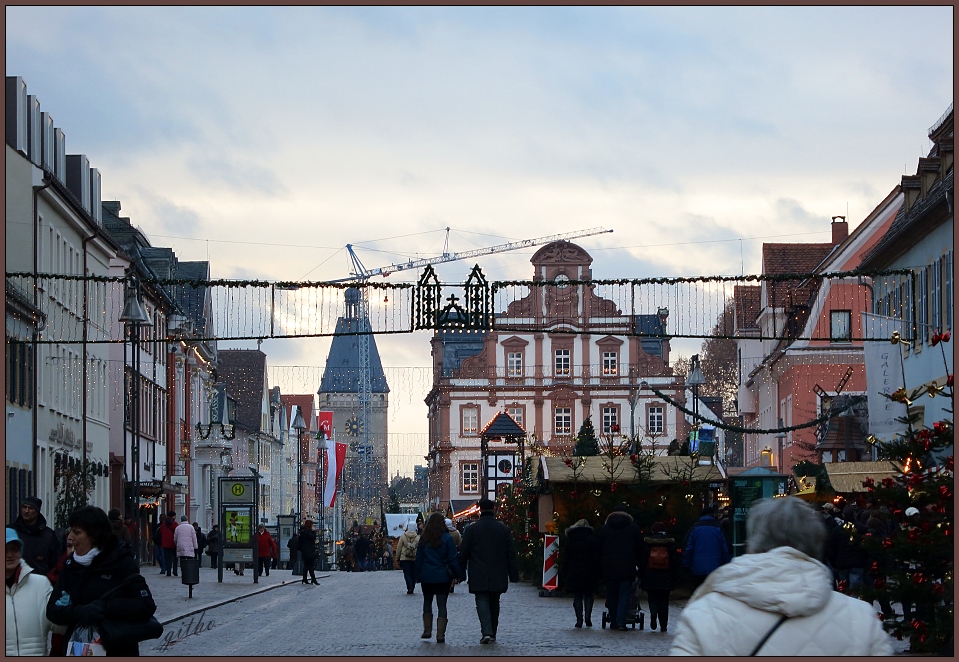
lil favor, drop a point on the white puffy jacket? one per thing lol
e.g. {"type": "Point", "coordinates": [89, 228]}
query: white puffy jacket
{"type": "Point", "coordinates": [27, 624]}
{"type": "Point", "coordinates": [185, 539]}
{"type": "Point", "coordinates": [740, 601]}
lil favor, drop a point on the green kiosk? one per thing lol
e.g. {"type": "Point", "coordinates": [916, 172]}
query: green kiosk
{"type": "Point", "coordinates": [746, 487]}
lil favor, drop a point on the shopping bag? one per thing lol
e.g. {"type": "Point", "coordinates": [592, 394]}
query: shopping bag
{"type": "Point", "coordinates": [85, 642]}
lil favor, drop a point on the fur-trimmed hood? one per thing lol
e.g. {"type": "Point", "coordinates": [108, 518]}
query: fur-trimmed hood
{"type": "Point", "coordinates": [619, 519]}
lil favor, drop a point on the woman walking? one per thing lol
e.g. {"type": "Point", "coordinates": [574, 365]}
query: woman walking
{"type": "Point", "coordinates": [27, 594]}
{"type": "Point", "coordinates": [437, 566]}
{"type": "Point", "coordinates": [99, 565]}
{"type": "Point", "coordinates": [660, 568]}
{"type": "Point", "coordinates": [579, 569]}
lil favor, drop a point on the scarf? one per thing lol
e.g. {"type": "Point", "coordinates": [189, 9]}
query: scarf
{"type": "Point", "coordinates": [86, 559]}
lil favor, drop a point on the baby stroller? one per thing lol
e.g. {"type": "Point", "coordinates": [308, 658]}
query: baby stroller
{"type": "Point", "coordinates": [634, 614]}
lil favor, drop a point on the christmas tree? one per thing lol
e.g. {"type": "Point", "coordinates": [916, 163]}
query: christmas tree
{"type": "Point", "coordinates": [586, 442]}
{"type": "Point", "coordinates": [912, 557]}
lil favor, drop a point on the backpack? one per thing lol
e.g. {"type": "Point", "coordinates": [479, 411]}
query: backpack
{"type": "Point", "coordinates": [658, 558]}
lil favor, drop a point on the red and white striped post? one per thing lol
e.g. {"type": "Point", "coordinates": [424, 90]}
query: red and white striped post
{"type": "Point", "coordinates": [550, 562]}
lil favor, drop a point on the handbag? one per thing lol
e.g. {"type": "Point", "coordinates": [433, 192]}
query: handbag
{"type": "Point", "coordinates": [85, 641]}
{"type": "Point", "coordinates": [115, 633]}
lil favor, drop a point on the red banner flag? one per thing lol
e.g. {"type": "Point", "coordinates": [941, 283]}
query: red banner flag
{"type": "Point", "coordinates": [325, 423]}
{"type": "Point", "coordinates": [335, 459]}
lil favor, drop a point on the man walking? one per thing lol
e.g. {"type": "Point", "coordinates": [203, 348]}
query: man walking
{"type": "Point", "coordinates": [168, 544]}
{"type": "Point", "coordinates": [488, 554]}
{"type": "Point", "coordinates": [40, 547]}
{"type": "Point", "coordinates": [621, 550]}
{"type": "Point", "coordinates": [213, 542]}
{"type": "Point", "coordinates": [706, 547]}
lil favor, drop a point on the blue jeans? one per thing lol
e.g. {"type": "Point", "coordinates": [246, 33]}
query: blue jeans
{"type": "Point", "coordinates": [409, 569]}
{"type": "Point", "coordinates": [169, 559]}
{"type": "Point", "coordinates": [487, 608]}
{"type": "Point", "coordinates": [617, 601]}
{"type": "Point", "coordinates": [855, 576]}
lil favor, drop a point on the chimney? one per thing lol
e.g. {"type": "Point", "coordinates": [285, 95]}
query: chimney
{"type": "Point", "coordinates": [840, 230]}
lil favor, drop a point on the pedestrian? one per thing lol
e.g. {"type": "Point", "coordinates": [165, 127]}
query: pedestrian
{"type": "Point", "coordinates": [41, 547]}
{"type": "Point", "coordinates": [185, 538]}
{"type": "Point", "coordinates": [167, 529]}
{"type": "Point", "coordinates": [308, 551]}
{"type": "Point", "coordinates": [349, 556]}
{"type": "Point", "coordinates": [849, 558]}
{"type": "Point", "coordinates": [200, 542]}
{"type": "Point", "coordinates": [620, 552]}
{"type": "Point", "coordinates": [99, 565]}
{"type": "Point", "coordinates": [457, 539]}
{"type": "Point", "coordinates": [660, 570]}
{"type": "Point", "coordinates": [362, 551]}
{"type": "Point", "coordinates": [779, 583]}
{"type": "Point", "coordinates": [213, 545]}
{"type": "Point", "coordinates": [121, 532]}
{"type": "Point", "coordinates": [406, 553]}
{"type": "Point", "coordinates": [437, 567]}
{"type": "Point", "coordinates": [264, 550]}
{"type": "Point", "coordinates": [274, 553]}
{"type": "Point", "coordinates": [27, 595]}
{"type": "Point", "coordinates": [579, 569]}
{"type": "Point", "coordinates": [705, 548]}
{"type": "Point", "coordinates": [489, 558]}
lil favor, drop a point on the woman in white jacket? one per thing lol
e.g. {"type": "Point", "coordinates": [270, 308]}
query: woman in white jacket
{"type": "Point", "coordinates": [27, 595]}
{"type": "Point", "coordinates": [779, 582]}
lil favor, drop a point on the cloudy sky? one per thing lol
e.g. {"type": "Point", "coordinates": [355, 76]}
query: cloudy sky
{"type": "Point", "coordinates": [265, 139]}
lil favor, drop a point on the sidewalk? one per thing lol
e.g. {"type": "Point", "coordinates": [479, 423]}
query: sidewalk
{"type": "Point", "coordinates": [172, 596]}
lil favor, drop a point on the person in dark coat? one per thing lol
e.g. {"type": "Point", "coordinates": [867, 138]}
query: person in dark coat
{"type": "Point", "coordinates": [167, 530]}
{"type": "Point", "coordinates": [213, 544]}
{"type": "Point", "coordinates": [849, 558]}
{"type": "Point", "coordinates": [658, 582]}
{"type": "Point", "coordinates": [579, 569]}
{"type": "Point", "coordinates": [308, 551]}
{"type": "Point", "coordinates": [705, 548]}
{"type": "Point", "coordinates": [200, 542]}
{"type": "Point", "coordinates": [489, 557]}
{"type": "Point", "coordinates": [41, 547]}
{"type": "Point", "coordinates": [620, 552]}
{"type": "Point", "coordinates": [362, 551]}
{"type": "Point", "coordinates": [120, 531]}
{"type": "Point", "coordinates": [99, 564]}
{"type": "Point", "coordinates": [435, 567]}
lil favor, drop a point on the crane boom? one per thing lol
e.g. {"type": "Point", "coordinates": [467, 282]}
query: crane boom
{"type": "Point", "coordinates": [361, 273]}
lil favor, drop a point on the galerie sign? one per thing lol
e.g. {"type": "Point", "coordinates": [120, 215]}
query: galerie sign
{"type": "Point", "coordinates": [883, 375]}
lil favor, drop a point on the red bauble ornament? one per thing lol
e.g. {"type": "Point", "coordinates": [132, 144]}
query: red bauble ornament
{"type": "Point", "coordinates": [946, 336]}
{"type": "Point", "coordinates": [918, 578]}
{"type": "Point", "coordinates": [938, 588]}
{"type": "Point", "coordinates": [672, 521]}
{"type": "Point", "coordinates": [573, 494]}
{"type": "Point", "coordinates": [869, 482]}
{"type": "Point", "coordinates": [949, 463]}
{"type": "Point", "coordinates": [612, 487]}
{"type": "Point", "coordinates": [887, 543]}
{"type": "Point", "coordinates": [843, 585]}
{"type": "Point", "coordinates": [880, 583]}
{"type": "Point", "coordinates": [874, 568]}
{"type": "Point", "coordinates": [916, 623]}
{"type": "Point", "coordinates": [944, 492]}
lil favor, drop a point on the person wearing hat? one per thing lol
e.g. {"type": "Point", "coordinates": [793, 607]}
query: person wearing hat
{"type": "Point", "coordinates": [27, 595]}
{"type": "Point", "coordinates": [41, 547]}
{"type": "Point", "coordinates": [185, 539]}
{"type": "Point", "coordinates": [621, 550]}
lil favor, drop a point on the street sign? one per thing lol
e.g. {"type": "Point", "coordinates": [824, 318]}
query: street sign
{"type": "Point", "coordinates": [238, 490]}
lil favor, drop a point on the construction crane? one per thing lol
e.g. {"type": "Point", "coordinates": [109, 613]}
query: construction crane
{"type": "Point", "coordinates": [361, 274]}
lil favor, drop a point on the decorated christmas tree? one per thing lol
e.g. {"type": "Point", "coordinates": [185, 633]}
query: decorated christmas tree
{"type": "Point", "coordinates": [586, 442]}
{"type": "Point", "coordinates": [911, 564]}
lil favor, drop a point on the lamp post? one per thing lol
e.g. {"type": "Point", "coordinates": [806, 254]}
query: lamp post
{"type": "Point", "coordinates": [694, 380]}
{"type": "Point", "coordinates": [134, 317]}
{"type": "Point", "coordinates": [780, 437]}
{"type": "Point", "coordinates": [299, 426]}
{"type": "Point", "coordinates": [321, 447]}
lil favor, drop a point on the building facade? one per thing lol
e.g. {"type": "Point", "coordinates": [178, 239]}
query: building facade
{"type": "Point", "coordinates": [588, 361]}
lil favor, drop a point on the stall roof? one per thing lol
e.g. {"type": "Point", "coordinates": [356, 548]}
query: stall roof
{"type": "Point", "coordinates": [847, 477]}
{"type": "Point", "coordinates": [666, 469]}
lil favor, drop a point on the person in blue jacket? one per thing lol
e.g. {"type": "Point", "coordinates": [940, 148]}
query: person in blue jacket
{"type": "Point", "coordinates": [437, 567]}
{"type": "Point", "coordinates": [706, 547]}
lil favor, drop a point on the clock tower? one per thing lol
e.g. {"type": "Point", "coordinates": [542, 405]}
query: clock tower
{"type": "Point", "coordinates": [365, 476]}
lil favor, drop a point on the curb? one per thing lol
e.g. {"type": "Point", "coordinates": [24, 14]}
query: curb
{"type": "Point", "coordinates": [214, 605]}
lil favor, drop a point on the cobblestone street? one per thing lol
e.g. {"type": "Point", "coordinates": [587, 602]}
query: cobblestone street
{"type": "Point", "coordinates": [369, 614]}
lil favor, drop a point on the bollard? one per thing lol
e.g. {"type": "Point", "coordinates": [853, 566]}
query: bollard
{"type": "Point", "coordinates": [190, 572]}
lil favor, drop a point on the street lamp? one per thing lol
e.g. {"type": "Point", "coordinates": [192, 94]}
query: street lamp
{"type": "Point", "coordinates": [321, 448]}
{"type": "Point", "coordinates": [780, 437]}
{"type": "Point", "coordinates": [299, 426]}
{"type": "Point", "coordinates": [694, 380]}
{"type": "Point", "coordinates": [134, 317]}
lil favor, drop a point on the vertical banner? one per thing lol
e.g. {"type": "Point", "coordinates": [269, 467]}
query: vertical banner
{"type": "Point", "coordinates": [325, 423]}
{"type": "Point", "coordinates": [550, 562]}
{"type": "Point", "coordinates": [335, 459]}
{"type": "Point", "coordinates": [883, 375]}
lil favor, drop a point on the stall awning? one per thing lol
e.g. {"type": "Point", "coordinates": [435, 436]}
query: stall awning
{"type": "Point", "coordinates": [461, 507]}
{"type": "Point", "coordinates": [847, 477]}
{"type": "Point", "coordinates": [665, 469]}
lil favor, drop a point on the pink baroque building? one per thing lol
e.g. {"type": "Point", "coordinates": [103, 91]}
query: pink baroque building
{"type": "Point", "coordinates": [586, 358]}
